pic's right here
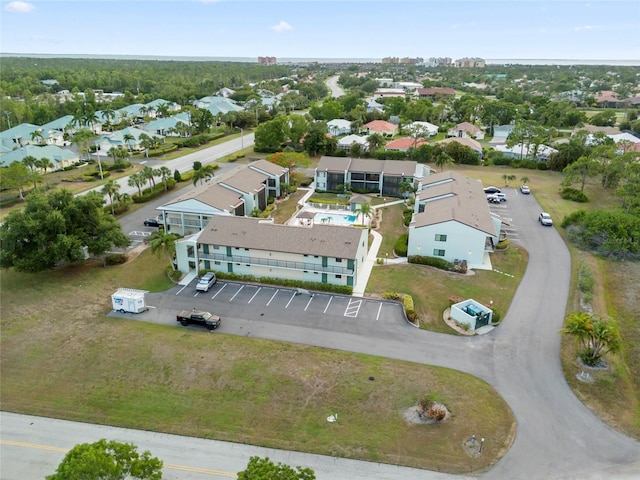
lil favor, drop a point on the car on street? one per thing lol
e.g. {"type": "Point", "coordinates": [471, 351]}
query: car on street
{"type": "Point", "coordinates": [207, 281]}
{"type": "Point", "coordinates": [151, 222]}
{"type": "Point", "coordinates": [545, 219]}
{"type": "Point", "coordinates": [497, 198]}
{"type": "Point", "coordinates": [525, 189]}
{"type": "Point", "coordinates": [492, 190]}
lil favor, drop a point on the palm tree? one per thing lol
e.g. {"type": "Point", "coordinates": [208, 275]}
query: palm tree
{"type": "Point", "coordinates": [407, 187]}
{"type": "Point", "coordinates": [36, 136]}
{"type": "Point", "coordinates": [135, 180]}
{"type": "Point", "coordinates": [146, 143]}
{"type": "Point", "coordinates": [45, 165]}
{"type": "Point", "coordinates": [165, 174]}
{"type": "Point", "coordinates": [505, 177]}
{"type": "Point", "coordinates": [365, 210]}
{"type": "Point", "coordinates": [162, 242]}
{"type": "Point", "coordinates": [127, 137]}
{"type": "Point", "coordinates": [443, 159]}
{"type": "Point", "coordinates": [524, 180]}
{"type": "Point", "coordinates": [202, 174]}
{"type": "Point", "coordinates": [148, 174]}
{"type": "Point", "coordinates": [111, 189]}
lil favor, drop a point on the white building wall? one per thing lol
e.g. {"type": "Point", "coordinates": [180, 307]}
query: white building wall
{"type": "Point", "coordinates": [321, 180]}
{"type": "Point", "coordinates": [463, 242]}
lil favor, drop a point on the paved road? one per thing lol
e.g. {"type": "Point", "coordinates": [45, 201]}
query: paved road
{"type": "Point", "coordinates": [185, 163]}
{"type": "Point", "coordinates": [336, 90]}
{"type": "Point", "coordinates": [557, 436]}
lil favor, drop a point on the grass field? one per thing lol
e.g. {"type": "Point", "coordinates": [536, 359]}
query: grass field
{"type": "Point", "coordinates": [62, 357]}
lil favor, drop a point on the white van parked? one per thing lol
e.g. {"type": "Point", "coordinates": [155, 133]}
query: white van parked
{"type": "Point", "coordinates": [207, 281]}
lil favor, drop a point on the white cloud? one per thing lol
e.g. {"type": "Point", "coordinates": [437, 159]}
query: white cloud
{"type": "Point", "coordinates": [19, 7]}
{"type": "Point", "coordinates": [586, 28]}
{"type": "Point", "coordinates": [281, 27]}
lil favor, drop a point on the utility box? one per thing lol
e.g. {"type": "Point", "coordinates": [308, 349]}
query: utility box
{"type": "Point", "coordinates": [128, 300]}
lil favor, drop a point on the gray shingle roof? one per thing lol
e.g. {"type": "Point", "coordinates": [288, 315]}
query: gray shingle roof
{"type": "Point", "coordinates": [458, 198]}
{"type": "Point", "coordinates": [268, 167]}
{"type": "Point", "coordinates": [246, 180]}
{"type": "Point", "coordinates": [251, 233]}
{"type": "Point", "coordinates": [214, 195]}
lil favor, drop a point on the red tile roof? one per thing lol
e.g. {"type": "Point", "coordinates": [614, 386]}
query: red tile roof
{"type": "Point", "coordinates": [405, 143]}
{"type": "Point", "coordinates": [381, 126]}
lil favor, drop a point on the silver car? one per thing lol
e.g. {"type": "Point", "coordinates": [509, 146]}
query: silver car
{"type": "Point", "coordinates": [207, 281]}
{"type": "Point", "coordinates": [545, 219]}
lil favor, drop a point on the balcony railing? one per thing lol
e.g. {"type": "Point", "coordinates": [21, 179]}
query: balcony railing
{"type": "Point", "coordinates": [313, 267]}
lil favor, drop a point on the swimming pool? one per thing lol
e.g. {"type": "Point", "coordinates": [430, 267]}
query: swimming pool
{"type": "Point", "coordinates": [334, 219]}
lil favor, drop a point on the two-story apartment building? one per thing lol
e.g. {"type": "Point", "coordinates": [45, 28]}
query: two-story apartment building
{"type": "Point", "coordinates": [251, 246]}
{"type": "Point", "coordinates": [451, 220]}
{"type": "Point", "coordinates": [237, 195]}
{"type": "Point", "coordinates": [382, 177]}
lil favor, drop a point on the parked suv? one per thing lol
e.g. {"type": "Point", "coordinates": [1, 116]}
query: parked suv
{"type": "Point", "coordinates": [207, 281]}
{"type": "Point", "coordinates": [497, 198]}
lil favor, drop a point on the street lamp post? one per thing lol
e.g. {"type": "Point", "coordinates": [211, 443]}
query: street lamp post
{"type": "Point", "coordinates": [241, 139]}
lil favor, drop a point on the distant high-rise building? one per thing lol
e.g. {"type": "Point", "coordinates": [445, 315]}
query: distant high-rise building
{"type": "Point", "coordinates": [470, 63]}
{"type": "Point", "coordinates": [402, 61]}
{"type": "Point", "coordinates": [267, 60]}
{"type": "Point", "coordinates": [437, 62]}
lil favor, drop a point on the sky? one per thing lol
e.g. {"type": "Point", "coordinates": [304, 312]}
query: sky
{"type": "Point", "coordinates": [327, 29]}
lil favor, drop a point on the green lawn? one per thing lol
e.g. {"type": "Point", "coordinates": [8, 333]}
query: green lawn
{"type": "Point", "coordinates": [62, 357]}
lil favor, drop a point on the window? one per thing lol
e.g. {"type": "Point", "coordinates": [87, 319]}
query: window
{"type": "Point", "coordinates": [339, 260]}
{"type": "Point", "coordinates": [438, 253]}
{"type": "Point", "coordinates": [216, 263]}
{"type": "Point", "coordinates": [246, 249]}
{"type": "Point", "coordinates": [338, 276]}
{"type": "Point", "coordinates": [441, 238]}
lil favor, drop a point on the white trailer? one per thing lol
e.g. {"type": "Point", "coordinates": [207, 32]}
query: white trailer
{"type": "Point", "coordinates": [129, 300]}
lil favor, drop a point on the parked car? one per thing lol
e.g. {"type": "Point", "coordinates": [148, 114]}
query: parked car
{"type": "Point", "coordinates": [545, 219]}
{"type": "Point", "coordinates": [151, 222]}
{"type": "Point", "coordinates": [207, 281]}
{"type": "Point", "coordinates": [492, 190]}
{"type": "Point", "coordinates": [497, 198]}
{"type": "Point", "coordinates": [524, 189]}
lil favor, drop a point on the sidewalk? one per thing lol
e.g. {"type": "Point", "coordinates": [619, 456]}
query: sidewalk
{"type": "Point", "coordinates": [372, 255]}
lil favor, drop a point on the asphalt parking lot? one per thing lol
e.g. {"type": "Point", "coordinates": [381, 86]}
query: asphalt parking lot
{"type": "Point", "coordinates": [238, 303]}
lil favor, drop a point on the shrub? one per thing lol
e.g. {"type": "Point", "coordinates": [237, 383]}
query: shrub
{"type": "Point", "coordinates": [542, 166]}
{"type": "Point", "coordinates": [585, 282]}
{"type": "Point", "coordinates": [503, 244]}
{"type": "Point", "coordinates": [115, 259]}
{"type": "Point", "coordinates": [324, 287]}
{"type": "Point", "coordinates": [570, 193]}
{"type": "Point", "coordinates": [391, 295]}
{"type": "Point", "coordinates": [401, 245]}
{"type": "Point", "coordinates": [177, 176]}
{"type": "Point", "coordinates": [406, 215]}
{"type": "Point", "coordinates": [407, 301]}
{"type": "Point", "coordinates": [437, 262]}
{"type": "Point", "coordinates": [437, 411]}
{"type": "Point", "coordinates": [453, 299]}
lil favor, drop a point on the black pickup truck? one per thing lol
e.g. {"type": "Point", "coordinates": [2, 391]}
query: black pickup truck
{"type": "Point", "coordinates": [198, 317]}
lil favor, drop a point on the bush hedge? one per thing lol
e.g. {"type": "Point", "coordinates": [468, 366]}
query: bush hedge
{"type": "Point", "coordinates": [323, 287]}
{"type": "Point", "coordinates": [402, 245]}
{"type": "Point", "coordinates": [153, 192]}
{"type": "Point", "coordinates": [437, 262]}
{"type": "Point", "coordinates": [115, 259]}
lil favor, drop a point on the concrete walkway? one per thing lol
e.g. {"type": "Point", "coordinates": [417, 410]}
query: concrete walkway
{"type": "Point", "coordinates": [372, 255]}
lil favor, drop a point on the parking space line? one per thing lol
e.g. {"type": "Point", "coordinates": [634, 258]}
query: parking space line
{"type": "Point", "coordinates": [310, 298]}
{"type": "Point", "coordinates": [273, 296]}
{"type": "Point", "coordinates": [353, 308]}
{"type": "Point", "coordinates": [234, 295]}
{"type": "Point", "coordinates": [329, 303]}
{"type": "Point", "coordinates": [379, 310]}
{"type": "Point", "coordinates": [291, 299]}
{"type": "Point", "coordinates": [254, 295]}
{"type": "Point", "coordinates": [180, 291]}
{"type": "Point", "coordinates": [219, 291]}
